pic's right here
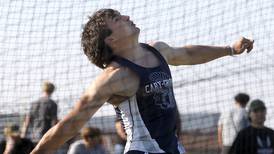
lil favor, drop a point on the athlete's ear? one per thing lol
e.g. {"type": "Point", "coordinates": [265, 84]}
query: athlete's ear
{"type": "Point", "coordinates": [109, 40]}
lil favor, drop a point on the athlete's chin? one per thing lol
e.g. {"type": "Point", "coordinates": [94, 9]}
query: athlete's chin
{"type": "Point", "coordinates": [137, 30]}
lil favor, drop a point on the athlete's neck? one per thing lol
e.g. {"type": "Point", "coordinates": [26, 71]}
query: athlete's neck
{"type": "Point", "coordinates": [132, 51]}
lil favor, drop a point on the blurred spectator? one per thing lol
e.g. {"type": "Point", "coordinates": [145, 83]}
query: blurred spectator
{"type": "Point", "coordinates": [122, 137]}
{"type": "Point", "coordinates": [90, 144]}
{"type": "Point", "coordinates": [42, 115]}
{"type": "Point", "coordinates": [255, 139]}
{"type": "Point", "coordinates": [231, 122]}
{"type": "Point", "coordinates": [13, 143]}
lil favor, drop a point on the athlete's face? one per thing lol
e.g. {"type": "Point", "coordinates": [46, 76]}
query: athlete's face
{"type": "Point", "coordinates": [122, 27]}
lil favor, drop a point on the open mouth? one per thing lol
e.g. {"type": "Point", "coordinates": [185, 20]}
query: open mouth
{"type": "Point", "coordinates": [132, 23]}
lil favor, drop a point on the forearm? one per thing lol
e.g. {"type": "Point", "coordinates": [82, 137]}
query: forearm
{"type": "Point", "coordinates": [201, 54]}
{"type": "Point", "coordinates": [198, 54]}
{"type": "Point", "coordinates": [59, 134]}
{"type": "Point", "coordinates": [66, 128]}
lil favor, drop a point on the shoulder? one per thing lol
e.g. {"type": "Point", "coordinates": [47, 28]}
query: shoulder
{"type": "Point", "coordinates": [242, 135]}
{"type": "Point", "coordinates": [163, 48]}
{"type": "Point", "coordinates": [114, 80]}
{"type": "Point", "coordinates": [113, 75]}
{"type": "Point", "coordinates": [36, 102]}
{"type": "Point", "coordinates": [53, 102]}
{"type": "Point", "coordinates": [159, 45]}
{"type": "Point", "coordinates": [35, 105]}
{"type": "Point", "coordinates": [269, 130]}
{"type": "Point", "coordinates": [116, 71]}
{"type": "Point", "coordinates": [121, 78]}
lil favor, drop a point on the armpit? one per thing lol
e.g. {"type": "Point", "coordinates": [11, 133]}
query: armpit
{"type": "Point", "coordinates": [116, 99]}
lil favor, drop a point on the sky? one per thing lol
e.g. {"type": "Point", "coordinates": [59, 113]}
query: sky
{"type": "Point", "coordinates": [40, 40]}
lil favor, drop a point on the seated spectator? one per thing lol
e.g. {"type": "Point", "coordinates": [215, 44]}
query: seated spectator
{"type": "Point", "coordinates": [13, 143]}
{"type": "Point", "coordinates": [90, 144]}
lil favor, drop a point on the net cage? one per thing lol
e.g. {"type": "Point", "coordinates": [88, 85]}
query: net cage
{"type": "Point", "coordinates": [40, 41]}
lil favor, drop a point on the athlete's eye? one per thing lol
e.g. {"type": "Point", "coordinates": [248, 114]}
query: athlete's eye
{"type": "Point", "coordinates": [117, 18]}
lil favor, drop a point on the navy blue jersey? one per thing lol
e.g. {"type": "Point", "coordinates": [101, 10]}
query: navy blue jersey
{"type": "Point", "coordinates": [149, 117]}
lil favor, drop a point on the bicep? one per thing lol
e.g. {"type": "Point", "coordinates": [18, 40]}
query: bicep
{"type": "Point", "coordinates": [93, 98]}
{"type": "Point", "coordinates": [101, 90]}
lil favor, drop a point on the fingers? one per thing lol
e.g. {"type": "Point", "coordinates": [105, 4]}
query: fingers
{"type": "Point", "coordinates": [247, 44]}
{"type": "Point", "coordinates": [247, 41]}
{"type": "Point", "coordinates": [250, 48]}
{"type": "Point", "coordinates": [243, 44]}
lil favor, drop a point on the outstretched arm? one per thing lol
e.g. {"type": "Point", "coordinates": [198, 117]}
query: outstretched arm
{"type": "Point", "coordinates": [198, 54]}
{"type": "Point", "coordinates": [71, 124]}
{"type": "Point", "coordinates": [96, 95]}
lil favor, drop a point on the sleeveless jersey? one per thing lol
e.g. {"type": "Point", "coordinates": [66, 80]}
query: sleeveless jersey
{"type": "Point", "coordinates": [149, 117]}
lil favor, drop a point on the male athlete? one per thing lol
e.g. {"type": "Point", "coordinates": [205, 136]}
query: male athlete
{"type": "Point", "coordinates": [136, 79]}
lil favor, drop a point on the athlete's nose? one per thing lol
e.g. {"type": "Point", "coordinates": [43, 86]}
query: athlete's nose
{"type": "Point", "coordinates": [126, 18]}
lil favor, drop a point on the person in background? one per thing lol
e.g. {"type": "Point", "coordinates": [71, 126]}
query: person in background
{"type": "Point", "coordinates": [42, 115]}
{"type": "Point", "coordinates": [90, 144]}
{"type": "Point", "coordinates": [256, 138]}
{"type": "Point", "coordinates": [13, 143]}
{"type": "Point", "coordinates": [121, 137]}
{"type": "Point", "coordinates": [231, 122]}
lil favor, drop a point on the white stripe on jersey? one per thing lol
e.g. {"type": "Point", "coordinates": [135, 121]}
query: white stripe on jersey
{"type": "Point", "coordinates": [138, 137]}
{"type": "Point", "coordinates": [181, 148]}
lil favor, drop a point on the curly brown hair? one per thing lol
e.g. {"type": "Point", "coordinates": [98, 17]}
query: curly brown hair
{"type": "Point", "coordinates": [94, 33]}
